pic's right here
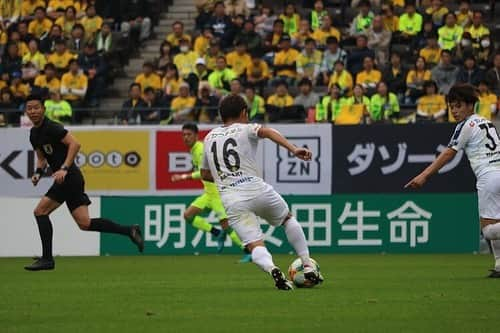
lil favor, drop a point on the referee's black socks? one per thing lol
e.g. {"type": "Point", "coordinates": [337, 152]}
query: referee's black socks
{"type": "Point", "coordinates": [45, 230]}
{"type": "Point", "coordinates": [105, 225]}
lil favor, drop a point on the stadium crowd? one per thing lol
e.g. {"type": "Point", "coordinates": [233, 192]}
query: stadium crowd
{"type": "Point", "coordinates": [315, 61]}
{"type": "Point", "coordinates": [67, 51]}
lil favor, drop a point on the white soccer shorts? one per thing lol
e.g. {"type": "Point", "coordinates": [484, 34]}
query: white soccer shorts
{"type": "Point", "coordinates": [245, 215]}
{"type": "Point", "coordinates": [488, 195]}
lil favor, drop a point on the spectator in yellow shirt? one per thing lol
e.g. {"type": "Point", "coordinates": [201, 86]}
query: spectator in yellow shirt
{"type": "Point", "coordinates": [369, 77]}
{"type": "Point", "coordinates": [280, 98]}
{"type": "Point", "coordinates": [391, 21]}
{"type": "Point", "coordinates": [48, 80]}
{"type": "Point", "coordinates": [74, 85]}
{"type": "Point", "coordinates": [487, 106]}
{"type": "Point", "coordinates": [355, 109]}
{"type": "Point", "coordinates": [309, 62]}
{"type": "Point", "coordinates": [239, 59]}
{"type": "Point", "coordinates": [185, 60]}
{"type": "Point", "coordinates": [299, 38]}
{"type": "Point", "coordinates": [67, 21]}
{"type": "Point", "coordinates": [285, 61]}
{"type": "Point", "coordinates": [177, 34]}
{"type": "Point", "coordinates": [182, 106]}
{"type": "Point", "coordinates": [326, 30]}
{"type": "Point", "coordinates": [148, 78]}
{"type": "Point", "coordinates": [415, 80]}
{"type": "Point", "coordinates": [213, 53]}
{"type": "Point", "coordinates": [437, 10]}
{"type": "Point", "coordinates": [28, 8]}
{"type": "Point", "coordinates": [477, 29]}
{"type": "Point", "coordinates": [464, 14]}
{"type": "Point", "coordinates": [61, 57]}
{"type": "Point", "coordinates": [202, 42]}
{"type": "Point", "coordinates": [57, 8]}
{"type": "Point", "coordinates": [19, 89]}
{"type": "Point", "coordinates": [257, 72]}
{"type": "Point", "coordinates": [431, 52]}
{"type": "Point", "coordinates": [35, 56]}
{"type": "Point", "coordinates": [171, 82]}
{"type": "Point", "coordinates": [91, 22]}
{"type": "Point", "coordinates": [342, 78]}
{"type": "Point", "coordinates": [431, 106]}
{"type": "Point", "coordinates": [41, 24]}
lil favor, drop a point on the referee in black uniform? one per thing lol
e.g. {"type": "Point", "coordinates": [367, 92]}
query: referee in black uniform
{"type": "Point", "coordinates": [55, 146]}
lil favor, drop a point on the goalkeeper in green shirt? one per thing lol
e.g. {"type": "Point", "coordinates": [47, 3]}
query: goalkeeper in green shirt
{"type": "Point", "coordinates": [210, 199]}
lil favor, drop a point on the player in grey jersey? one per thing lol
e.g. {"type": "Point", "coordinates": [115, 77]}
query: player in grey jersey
{"type": "Point", "coordinates": [229, 161]}
{"type": "Point", "coordinates": [479, 139]}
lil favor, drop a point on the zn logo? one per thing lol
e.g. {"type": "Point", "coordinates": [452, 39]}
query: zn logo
{"type": "Point", "coordinates": [114, 159]}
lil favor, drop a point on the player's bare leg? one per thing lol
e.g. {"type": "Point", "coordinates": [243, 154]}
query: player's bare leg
{"type": "Point", "coordinates": [297, 239]}
{"type": "Point", "coordinates": [262, 258]}
{"type": "Point", "coordinates": [192, 216]}
{"type": "Point", "coordinates": [42, 211]}
{"type": "Point", "coordinates": [491, 232]}
{"type": "Point", "coordinates": [82, 218]}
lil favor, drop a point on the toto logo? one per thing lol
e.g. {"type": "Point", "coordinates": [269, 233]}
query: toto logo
{"type": "Point", "coordinates": [114, 159]}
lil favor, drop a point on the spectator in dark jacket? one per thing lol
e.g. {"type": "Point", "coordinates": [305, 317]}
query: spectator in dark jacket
{"type": "Point", "coordinates": [207, 105]}
{"type": "Point", "coordinates": [222, 25]}
{"type": "Point", "coordinates": [48, 42]}
{"type": "Point", "coordinates": [395, 76]}
{"type": "Point", "coordinates": [22, 28]}
{"type": "Point", "coordinates": [11, 61]}
{"type": "Point", "coordinates": [493, 75]}
{"type": "Point", "coordinates": [470, 72]}
{"type": "Point", "coordinates": [249, 36]}
{"type": "Point", "coordinates": [358, 54]}
{"type": "Point", "coordinates": [131, 108]}
{"type": "Point", "coordinates": [77, 41]}
{"type": "Point", "coordinates": [94, 66]}
{"type": "Point", "coordinates": [136, 19]}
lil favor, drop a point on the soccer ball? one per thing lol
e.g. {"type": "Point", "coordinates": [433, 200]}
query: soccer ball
{"type": "Point", "coordinates": [296, 273]}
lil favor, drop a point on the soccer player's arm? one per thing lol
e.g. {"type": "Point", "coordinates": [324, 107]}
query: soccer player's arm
{"type": "Point", "coordinates": [275, 136]}
{"type": "Point", "coordinates": [197, 158]}
{"type": "Point", "coordinates": [459, 140]}
{"type": "Point", "coordinates": [73, 148]}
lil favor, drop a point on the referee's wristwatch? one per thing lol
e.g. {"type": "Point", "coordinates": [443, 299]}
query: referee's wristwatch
{"type": "Point", "coordinates": [65, 168]}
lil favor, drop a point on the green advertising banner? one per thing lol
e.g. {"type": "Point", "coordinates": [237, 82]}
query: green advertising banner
{"type": "Point", "coordinates": [391, 223]}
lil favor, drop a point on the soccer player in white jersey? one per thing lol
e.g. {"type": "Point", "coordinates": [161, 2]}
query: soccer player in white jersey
{"type": "Point", "coordinates": [229, 161]}
{"type": "Point", "coordinates": [481, 142]}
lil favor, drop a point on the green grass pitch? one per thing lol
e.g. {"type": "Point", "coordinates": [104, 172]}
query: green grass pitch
{"type": "Point", "coordinates": [207, 293]}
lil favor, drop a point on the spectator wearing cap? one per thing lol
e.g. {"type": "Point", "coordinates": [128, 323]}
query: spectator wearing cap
{"type": "Point", "coordinates": [95, 68]}
{"type": "Point", "coordinates": [213, 53]}
{"type": "Point", "coordinates": [410, 23]}
{"type": "Point", "coordinates": [431, 52]}
{"type": "Point", "coordinates": [136, 22]}
{"type": "Point", "coordinates": [272, 40]}
{"type": "Point", "coordinates": [19, 89]}
{"type": "Point", "coordinates": [221, 77]}
{"type": "Point", "coordinates": [379, 40]}
{"type": "Point", "coordinates": [437, 11]}
{"type": "Point", "coordinates": [493, 75]}
{"type": "Point", "coordinates": [67, 21]}
{"type": "Point", "coordinates": [222, 25]}
{"type": "Point", "coordinates": [317, 15]}
{"type": "Point", "coordinates": [74, 85]}
{"type": "Point", "coordinates": [239, 59]}
{"type": "Point", "coordinates": [57, 109]}
{"type": "Point", "coordinates": [91, 21]}
{"type": "Point", "coordinates": [35, 56]}
{"type": "Point", "coordinates": [148, 78]}
{"type": "Point", "coordinates": [332, 54]}
{"type": "Point", "coordinates": [487, 106]}
{"type": "Point", "coordinates": [48, 41]}
{"type": "Point", "coordinates": [445, 73]}
{"type": "Point", "coordinates": [202, 42]}
{"type": "Point", "coordinates": [326, 30]}
{"type": "Point", "coordinates": [249, 37]}
{"type": "Point", "coordinates": [185, 59]}
{"type": "Point", "coordinates": [177, 35]}
{"type": "Point", "coordinates": [395, 76]}
{"type": "Point", "coordinates": [309, 62]}
{"type": "Point", "coordinates": [236, 7]}
{"type": "Point", "coordinates": [11, 61]}
{"type": "Point", "coordinates": [61, 56]}
{"type": "Point", "coordinates": [469, 72]}
{"type": "Point", "coordinates": [306, 97]}
{"type": "Point", "coordinates": [362, 22]}
{"type": "Point", "coordinates": [285, 61]}
{"type": "Point", "coordinates": [304, 32]}
{"type": "Point", "coordinates": [131, 109]}
{"type": "Point", "coordinates": [369, 77]}
{"type": "Point", "coordinates": [450, 34]}
{"type": "Point", "coordinates": [477, 29]}
{"type": "Point", "coordinates": [257, 72]}
{"type": "Point", "coordinates": [171, 81]}
{"type": "Point", "coordinates": [200, 73]}
{"type": "Point", "coordinates": [432, 105]}
{"type": "Point", "coordinates": [291, 19]}
{"type": "Point", "coordinates": [342, 78]}
{"type": "Point", "coordinates": [356, 58]}
{"type": "Point", "coordinates": [182, 106]}
{"type": "Point", "coordinates": [255, 104]}
{"type": "Point", "coordinates": [207, 105]}
{"type": "Point", "coordinates": [281, 98]}
{"type": "Point", "coordinates": [78, 39]}
{"type": "Point", "coordinates": [41, 24]}
{"type": "Point", "coordinates": [47, 81]}
{"type": "Point", "coordinates": [384, 104]}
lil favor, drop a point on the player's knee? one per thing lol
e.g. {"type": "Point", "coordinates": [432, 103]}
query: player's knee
{"type": "Point", "coordinates": [84, 224]}
{"type": "Point", "coordinates": [490, 232]}
{"type": "Point", "coordinates": [253, 245]}
{"type": "Point", "coordinates": [188, 218]}
{"type": "Point", "coordinates": [40, 211]}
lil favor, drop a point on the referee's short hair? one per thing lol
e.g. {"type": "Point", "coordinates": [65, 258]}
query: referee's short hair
{"type": "Point", "coordinates": [190, 127]}
{"type": "Point", "coordinates": [465, 93]}
{"type": "Point", "coordinates": [231, 107]}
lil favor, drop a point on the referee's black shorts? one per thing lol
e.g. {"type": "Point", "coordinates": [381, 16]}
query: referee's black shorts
{"type": "Point", "coordinates": [71, 191]}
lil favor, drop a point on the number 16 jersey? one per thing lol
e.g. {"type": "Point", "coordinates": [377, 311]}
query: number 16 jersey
{"type": "Point", "coordinates": [230, 155]}
{"type": "Point", "coordinates": [481, 142]}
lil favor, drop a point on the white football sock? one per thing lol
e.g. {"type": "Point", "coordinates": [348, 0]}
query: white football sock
{"type": "Point", "coordinates": [491, 231]}
{"type": "Point", "coordinates": [297, 239]}
{"type": "Point", "coordinates": [262, 258]}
